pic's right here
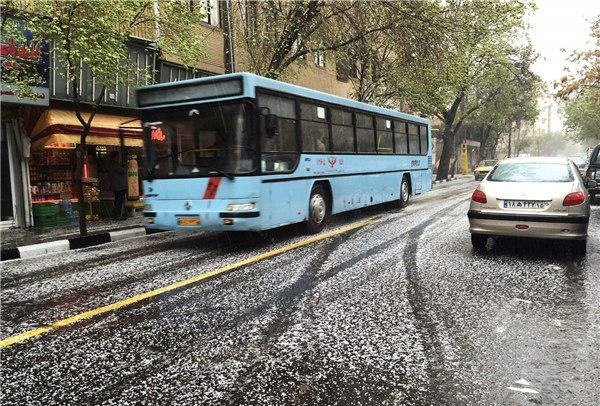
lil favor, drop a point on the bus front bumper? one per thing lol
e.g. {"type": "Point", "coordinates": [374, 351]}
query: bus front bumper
{"type": "Point", "coordinates": [207, 216]}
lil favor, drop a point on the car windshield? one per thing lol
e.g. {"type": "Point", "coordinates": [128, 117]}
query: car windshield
{"type": "Point", "coordinates": [200, 141]}
{"type": "Point", "coordinates": [531, 172]}
{"type": "Point", "coordinates": [488, 163]}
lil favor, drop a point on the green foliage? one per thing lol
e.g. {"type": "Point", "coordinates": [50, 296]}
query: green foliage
{"type": "Point", "coordinates": [583, 117]}
{"type": "Point", "coordinates": [97, 32]}
{"type": "Point", "coordinates": [581, 93]}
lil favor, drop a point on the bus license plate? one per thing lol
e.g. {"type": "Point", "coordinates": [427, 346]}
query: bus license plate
{"type": "Point", "coordinates": [525, 204]}
{"type": "Point", "coordinates": [188, 222]}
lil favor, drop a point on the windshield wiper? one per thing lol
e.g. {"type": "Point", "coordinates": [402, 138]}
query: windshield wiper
{"type": "Point", "coordinates": [222, 173]}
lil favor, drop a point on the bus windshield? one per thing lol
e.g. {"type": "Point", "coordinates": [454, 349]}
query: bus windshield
{"type": "Point", "coordinates": [200, 141]}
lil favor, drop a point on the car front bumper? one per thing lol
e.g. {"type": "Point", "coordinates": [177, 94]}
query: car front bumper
{"type": "Point", "coordinates": [571, 227]}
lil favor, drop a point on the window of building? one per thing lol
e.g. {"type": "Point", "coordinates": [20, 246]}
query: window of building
{"type": "Point", "coordinates": [400, 138]}
{"type": "Point", "coordinates": [210, 8]}
{"type": "Point", "coordinates": [385, 136]}
{"type": "Point", "coordinates": [424, 139]}
{"type": "Point", "coordinates": [365, 133]}
{"type": "Point", "coordinates": [413, 140]}
{"type": "Point", "coordinates": [280, 153]}
{"type": "Point", "coordinates": [315, 129]}
{"type": "Point", "coordinates": [170, 72]}
{"type": "Point", "coordinates": [342, 131]}
{"type": "Point", "coordinates": [320, 59]}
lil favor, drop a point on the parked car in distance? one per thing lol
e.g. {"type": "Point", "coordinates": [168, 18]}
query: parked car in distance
{"type": "Point", "coordinates": [484, 168]}
{"type": "Point", "coordinates": [580, 163]}
{"type": "Point", "coordinates": [531, 197]}
{"type": "Point", "coordinates": [593, 173]}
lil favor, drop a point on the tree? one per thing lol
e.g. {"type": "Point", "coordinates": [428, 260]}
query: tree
{"type": "Point", "coordinates": [461, 76]}
{"type": "Point", "coordinates": [581, 93]}
{"type": "Point", "coordinates": [273, 35]}
{"type": "Point", "coordinates": [583, 117]}
{"type": "Point", "coordinates": [513, 105]}
{"type": "Point", "coordinates": [375, 61]}
{"type": "Point", "coordinates": [96, 33]}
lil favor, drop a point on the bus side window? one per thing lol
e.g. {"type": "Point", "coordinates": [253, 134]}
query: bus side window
{"type": "Point", "coordinates": [342, 132]}
{"type": "Point", "coordinates": [365, 135]}
{"type": "Point", "coordinates": [400, 138]}
{"type": "Point", "coordinates": [413, 140]}
{"type": "Point", "coordinates": [384, 136]}
{"type": "Point", "coordinates": [315, 129]}
{"type": "Point", "coordinates": [424, 139]}
{"type": "Point", "coordinates": [280, 153]}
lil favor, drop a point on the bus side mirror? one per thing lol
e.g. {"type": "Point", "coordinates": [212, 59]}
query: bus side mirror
{"type": "Point", "coordinates": [272, 124]}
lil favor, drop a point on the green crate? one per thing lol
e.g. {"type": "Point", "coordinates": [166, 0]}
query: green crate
{"type": "Point", "coordinates": [45, 221]}
{"type": "Point", "coordinates": [44, 209]}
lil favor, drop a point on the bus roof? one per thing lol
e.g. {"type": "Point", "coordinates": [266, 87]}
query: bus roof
{"type": "Point", "coordinates": [252, 81]}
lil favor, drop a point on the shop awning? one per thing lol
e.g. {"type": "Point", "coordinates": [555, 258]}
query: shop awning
{"type": "Point", "coordinates": [60, 129]}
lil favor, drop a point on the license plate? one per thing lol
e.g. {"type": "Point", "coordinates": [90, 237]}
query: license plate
{"type": "Point", "coordinates": [188, 222]}
{"type": "Point", "coordinates": [525, 204]}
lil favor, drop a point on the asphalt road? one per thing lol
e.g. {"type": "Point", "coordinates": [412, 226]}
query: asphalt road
{"type": "Point", "coordinates": [397, 311]}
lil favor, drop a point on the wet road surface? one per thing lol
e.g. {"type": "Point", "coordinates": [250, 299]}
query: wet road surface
{"type": "Point", "coordinates": [399, 311]}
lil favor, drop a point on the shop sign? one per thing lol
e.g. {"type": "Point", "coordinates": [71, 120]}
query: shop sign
{"type": "Point", "coordinates": [133, 188]}
{"type": "Point", "coordinates": [157, 134]}
{"type": "Point", "coordinates": [25, 54]}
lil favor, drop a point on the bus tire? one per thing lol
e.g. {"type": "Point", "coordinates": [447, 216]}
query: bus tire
{"type": "Point", "coordinates": [317, 209]}
{"type": "Point", "coordinates": [404, 192]}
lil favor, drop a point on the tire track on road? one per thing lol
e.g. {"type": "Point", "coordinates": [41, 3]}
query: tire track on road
{"type": "Point", "coordinates": [441, 389]}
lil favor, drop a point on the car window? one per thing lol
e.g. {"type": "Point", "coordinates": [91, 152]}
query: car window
{"type": "Point", "coordinates": [531, 172]}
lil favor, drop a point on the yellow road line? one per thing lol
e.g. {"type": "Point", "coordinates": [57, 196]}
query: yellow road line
{"type": "Point", "coordinates": [177, 285]}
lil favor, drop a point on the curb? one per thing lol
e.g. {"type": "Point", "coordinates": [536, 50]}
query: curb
{"type": "Point", "coordinates": [34, 250]}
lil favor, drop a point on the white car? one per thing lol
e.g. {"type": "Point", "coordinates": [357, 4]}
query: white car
{"type": "Point", "coordinates": [531, 197]}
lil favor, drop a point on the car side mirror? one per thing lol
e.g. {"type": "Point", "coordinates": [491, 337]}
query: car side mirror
{"type": "Point", "coordinates": [272, 124]}
{"type": "Point", "coordinates": [592, 184]}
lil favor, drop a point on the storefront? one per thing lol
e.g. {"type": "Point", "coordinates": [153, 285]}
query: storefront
{"type": "Point", "coordinates": [54, 140]}
{"type": "Point", "coordinates": [19, 53]}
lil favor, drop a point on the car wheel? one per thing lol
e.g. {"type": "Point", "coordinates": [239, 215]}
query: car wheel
{"type": "Point", "coordinates": [404, 193]}
{"type": "Point", "coordinates": [579, 247]}
{"type": "Point", "coordinates": [317, 209]}
{"type": "Point", "coordinates": [479, 241]}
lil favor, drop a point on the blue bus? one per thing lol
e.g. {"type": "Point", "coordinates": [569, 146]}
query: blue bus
{"type": "Point", "coordinates": [243, 152]}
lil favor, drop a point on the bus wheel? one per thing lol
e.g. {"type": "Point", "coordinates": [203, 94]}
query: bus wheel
{"type": "Point", "coordinates": [404, 193]}
{"type": "Point", "coordinates": [317, 209]}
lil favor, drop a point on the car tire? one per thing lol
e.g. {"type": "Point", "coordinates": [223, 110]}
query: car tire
{"type": "Point", "coordinates": [318, 204]}
{"type": "Point", "coordinates": [579, 247]}
{"type": "Point", "coordinates": [152, 231]}
{"type": "Point", "coordinates": [404, 193]}
{"type": "Point", "coordinates": [479, 241]}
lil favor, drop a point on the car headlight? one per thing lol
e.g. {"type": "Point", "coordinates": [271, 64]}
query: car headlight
{"type": "Point", "coordinates": [147, 207]}
{"type": "Point", "coordinates": [240, 206]}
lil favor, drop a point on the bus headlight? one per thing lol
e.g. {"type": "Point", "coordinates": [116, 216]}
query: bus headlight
{"type": "Point", "coordinates": [147, 207]}
{"type": "Point", "coordinates": [240, 206]}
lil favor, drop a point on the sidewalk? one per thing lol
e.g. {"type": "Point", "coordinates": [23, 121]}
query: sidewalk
{"type": "Point", "coordinates": [18, 237]}
{"type": "Point", "coordinates": [450, 178]}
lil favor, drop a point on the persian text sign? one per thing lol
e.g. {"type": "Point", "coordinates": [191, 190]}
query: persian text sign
{"type": "Point", "coordinates": [27, 55]}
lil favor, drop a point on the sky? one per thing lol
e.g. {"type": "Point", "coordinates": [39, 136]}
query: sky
{"type": "Point", "coordinates": [560, 24]}
{"type": "Point", "coordinates": [556, 25]}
